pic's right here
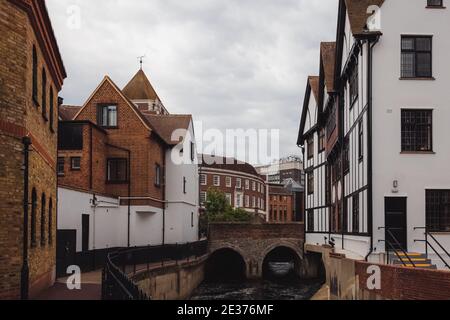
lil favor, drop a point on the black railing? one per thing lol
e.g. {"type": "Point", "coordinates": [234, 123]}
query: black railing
{"type": "Point", "coordinates": [121, 266]}
{"type": "Point", "coordinates": [428, 244]}
{"type": "Point", "coordinates": [396, 247]}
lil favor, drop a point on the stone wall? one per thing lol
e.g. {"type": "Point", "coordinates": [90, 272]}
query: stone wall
{"type": "Point", "coordinates": [174, 282]}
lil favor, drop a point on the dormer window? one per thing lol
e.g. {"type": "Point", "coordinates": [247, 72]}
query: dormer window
{"type": "Point", "coordinates": [107, 116]}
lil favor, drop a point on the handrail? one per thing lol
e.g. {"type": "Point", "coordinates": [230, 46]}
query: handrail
{"type": "Point", "coordinates": [118, 284]}
{"type": "Point", "coordinates": [388, 230]}
{"type": "Point", "coordinates": [428, 244]}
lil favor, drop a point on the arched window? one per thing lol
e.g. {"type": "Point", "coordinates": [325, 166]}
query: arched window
{"type": "Point", "coordinates": [43, 210]}
{"type": "Point", "coordinates": [35, 71]}
{"type": "Point", "coordinates": [50, 221]}
{"type": "Point", "coordinates": [51, 108]}
{"type": "Point", "coordinates": [44, 94]}
{"type": "Point", "coordinates": [33, 217]}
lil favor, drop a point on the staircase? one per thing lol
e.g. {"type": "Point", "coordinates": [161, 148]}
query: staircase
{"type": "Point", "coordinates": [411, 260]}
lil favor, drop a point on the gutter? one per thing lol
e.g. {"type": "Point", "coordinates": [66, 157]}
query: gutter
{"type": "Point", "coordinates": [25, 272]}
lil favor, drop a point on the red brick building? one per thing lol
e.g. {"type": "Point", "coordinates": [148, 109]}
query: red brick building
{"type": "Point", "coordinates": [242, 185]}
{"type": "Point", "coordinates": [31, 76]}
{"type": "Point", "coordinates": [281, 204]}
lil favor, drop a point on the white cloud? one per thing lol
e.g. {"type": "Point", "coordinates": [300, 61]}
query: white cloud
{"type": "Point", "coordinates": [231, 63]}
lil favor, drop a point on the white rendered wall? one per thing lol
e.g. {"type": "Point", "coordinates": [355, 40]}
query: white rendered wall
{"type": "Point", "coordinates": [415, 172]}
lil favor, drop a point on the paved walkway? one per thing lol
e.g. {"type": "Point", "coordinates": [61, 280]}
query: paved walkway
{"type": "Point", "coordinates": [91, 288]}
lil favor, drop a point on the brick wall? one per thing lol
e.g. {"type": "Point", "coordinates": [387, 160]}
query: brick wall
{"type": "Point", "coordinates": [281, 208]}
{"type": "Point", "coordinates": [146, 150]}
{"type": "Point", "coordinates": [226, 231]}
{"type": "Point", "coordinates": [20, 116]}
{"type": "Point", "coordinates": [398, 283]}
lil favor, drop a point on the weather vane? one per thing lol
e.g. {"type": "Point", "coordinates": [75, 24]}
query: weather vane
{"type": "Point", "coordinates": [141, 60]}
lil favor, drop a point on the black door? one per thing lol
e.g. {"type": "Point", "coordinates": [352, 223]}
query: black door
{"type": "Point", "coordinates": [395, 223]}
{"type": "Point", "coordinates": [66, 248]}
{"type": "Point", "coordinates": [85, 232]}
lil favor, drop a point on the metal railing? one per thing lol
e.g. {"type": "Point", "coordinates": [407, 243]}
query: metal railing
{"type": "Point", "coordinates": [121, 266]}
{"type": "Point", "coordinates": [396, 249]}
{"type": "Point", "coordinates": [428, 244]}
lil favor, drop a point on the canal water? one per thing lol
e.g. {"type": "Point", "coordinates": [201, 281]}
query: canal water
{"type": "Point", "coordinates": [274, 289]}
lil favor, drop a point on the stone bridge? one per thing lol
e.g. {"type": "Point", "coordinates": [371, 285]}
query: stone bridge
{"type": "Point", "coordinates": [255, 242]}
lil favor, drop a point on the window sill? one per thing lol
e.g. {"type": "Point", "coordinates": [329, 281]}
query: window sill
{"type": "Point", "coordinates": [109, 128]}
{"type": "Point", "coordinates": [419, 78]}
{"type": "Point", "coordinates": [117, 182]}
{"type": "Point", "coordinates": [417, 152]}
{"type": "Point", "coordinates": [75, 169]}
{"type": "Point", "coordinates": [435, 7]}
{"type": "Point", "coordinates": [61, 175]}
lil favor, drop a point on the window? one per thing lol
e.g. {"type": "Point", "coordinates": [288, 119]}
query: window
{"type": "Point", "coordinates": [43, 211]}
{"type": "Point", "coordinates": [254, 202]}
{"type": "Point", "coordinates": [60, 167]}
{"type": "Point", "coordinates": [360, 140]}
{"type": "Point", "coordinates": [239, 199]}
{"type": "Point", "coordinates": [35, 75]}
{"type": "Point", "coordinates": [107, 116]}
{"type": "Point", "coordinates": [70, 136]}
{"type": "Point", "coordinates": [417, 130]}
{"type": "Point", "coordinates": [228, 182]}
{"type": "Point", "coordinates": [346, 158]}
{"type": "Point", "coordinates": [438, 210]}
{"type": "Point", "coordinates": [51, 109]}
{"type": "Point", "coordinates": [238, 183]}
{"type": "Point", "coordinates": [33, 217]}
{"type": "Point", "coordinates": [216, 181]}
{"type": "Point", "coordinates": [203, 179]}
{"type": "Point", "coordinates": [117, 170]}
{"type": "Point", "coordinates": [50, 221]}
{"type": "Point", "coordinates": [247, 184]}
{"type": "Point", "coordinates": [247, 201]}
{"type": "Point", "coordinates": [184, 185]}
{"type": "Point", "coordinates": [310, 149]}
{"type": "Point", "coordinates": [192, 219]}
{"type": "Point", "coordinates": [353, 86]}
{"type": "Point", "coordinates": [310, 220]}
{"type": "Point", "coordinates": [228, 197]}
{"type": "Point", "coordinates": [75, 163]}
{"type": "Point", "coordinates": [192, 151]}
{"type": "Point", "coordinates": [254, 186]}
{"type": "Point", "coordinates": [44, 94]}
{"type": "Point", "coordinates": [311, 183]}
{"type": "Point", "coordinates": [416, 57]}
{"type": "Point", "coordinates": [355, 214]}
{"type": "Point", "coordinates": [332, 121]}
{"type": "Point", "coordinates": [321, 140]}
{"type": "Point", "coordinates": [434, 3]}
{"type": "Point", "coordinates": [157, 175]}
{"type": "Point", "coordinates": [202, 197]}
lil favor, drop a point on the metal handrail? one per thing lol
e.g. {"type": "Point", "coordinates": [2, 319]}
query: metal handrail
{"type": "Point", "coordinates": [428, 244]}
{"type": "Point", "coordinates": [117, 284]}
{"type": "Point", "coordinates": [396, 250]}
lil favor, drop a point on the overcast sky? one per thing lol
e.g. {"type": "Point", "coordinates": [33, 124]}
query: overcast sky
{"type": "Point", "coordinates": [230, 63]}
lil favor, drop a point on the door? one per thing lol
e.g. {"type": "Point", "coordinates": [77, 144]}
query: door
{"type": "Point", "coordinates": [85, 232]}
{"type": "Point", "coordinates": [395, 223]}
{"type": "Point", "coordinates": [66, 247]}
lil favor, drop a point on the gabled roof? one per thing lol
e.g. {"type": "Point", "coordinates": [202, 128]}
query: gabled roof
{"type": "Point", "coordinates": [314, 83]}
{"type": "Point", "coordinates": [67, 113]}
{"type": "Point", "coordinates": [328, 56]}
{"type": "Point", "coordinates": [140, 88]}
{"type": "Point", "coordinates": [166, 125]}
{"type": "Point", "coordinates": [357, 13]}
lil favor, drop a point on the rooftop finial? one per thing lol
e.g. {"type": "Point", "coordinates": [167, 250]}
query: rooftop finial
{"type": "Point", "coordinates": [141, 60]}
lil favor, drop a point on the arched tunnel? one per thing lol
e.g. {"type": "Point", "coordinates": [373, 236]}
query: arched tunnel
{"type": "Point", "coordinates": [281, 263]}
{"type": "Point", "coordinates": [225, 265]}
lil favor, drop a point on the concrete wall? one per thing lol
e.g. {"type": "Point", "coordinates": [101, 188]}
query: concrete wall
{"type": "Point", "coordinates": [176, 282]}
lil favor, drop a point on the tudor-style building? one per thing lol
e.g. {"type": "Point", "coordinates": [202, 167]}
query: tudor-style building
{"type": "Point", "coordinates": [31, 76]}
{"type": "Point", "coordinates": [131, 167]}
{"type": "Point", "coordinates": [384, 123]}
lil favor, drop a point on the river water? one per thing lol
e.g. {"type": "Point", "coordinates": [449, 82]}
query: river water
{"type": "Point", "coordinates": [280, 289]}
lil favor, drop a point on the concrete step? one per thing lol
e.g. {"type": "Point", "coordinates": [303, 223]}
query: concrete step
{"type": "Point", "coordinates": [419, 260]}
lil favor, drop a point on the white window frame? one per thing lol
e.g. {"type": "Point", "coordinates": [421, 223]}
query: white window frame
{"type": "Point", "coordinates": [228, 196]}
{"type": "Point", "coordinates": [203, 179]}
{"type": "Point", "coordinates": [238, 183]}
{"type": "Point", "coordinates": [203, 197]}
{"type": "Point", "coordinates": [216, 181]}
{"type": "Point", "coordinates": [228, 182]}
{"type": "Point", "coordinates": [247, 184]}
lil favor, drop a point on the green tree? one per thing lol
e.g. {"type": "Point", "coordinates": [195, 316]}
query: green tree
{"type": "Point", "coordinates": [219, 210]}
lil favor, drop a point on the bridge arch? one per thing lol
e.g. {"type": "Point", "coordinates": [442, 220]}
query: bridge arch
{"type": "Point", "coordinates": [281, 251]}
{"type": "Point", "coordinates": [226, 263]}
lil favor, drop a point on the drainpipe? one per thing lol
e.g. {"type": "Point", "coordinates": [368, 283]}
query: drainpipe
{"type": "Point", "coordinates": [25, 268]}
{"type": "Point", "coordinates": [164, 199]}
{"type": "Point", "coordinates": [129, 195]}
{"type": "Point", "coordinates": [369, 139]}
